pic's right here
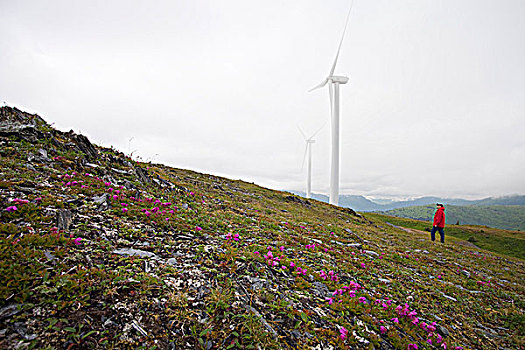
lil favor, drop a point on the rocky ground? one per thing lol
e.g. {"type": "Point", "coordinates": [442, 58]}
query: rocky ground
{"type": "Point", "coordinates": [100, 251]}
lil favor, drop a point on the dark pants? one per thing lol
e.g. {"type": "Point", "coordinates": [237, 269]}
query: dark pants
{"type": "Point", "coordinates": [441, 232]}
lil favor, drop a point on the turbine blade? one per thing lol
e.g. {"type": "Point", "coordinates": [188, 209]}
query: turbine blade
{"type": "Point", "coordinates": [315, 133]}
{"type": "Point", "coordinates": [301, 131]}
{"type": "Point", "coordinates": [341, 42]}
{"type": "Point", "coordinates": [323, 83]}
{"type": "Point", "coordinates": [304, 157]}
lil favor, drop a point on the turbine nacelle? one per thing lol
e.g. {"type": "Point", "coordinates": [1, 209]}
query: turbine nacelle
{"type": "Point", "coordinates": [338, 79]}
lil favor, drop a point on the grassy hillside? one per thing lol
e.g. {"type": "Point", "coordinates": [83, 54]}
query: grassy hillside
{"type": "Point", "coordinates": [507, 217]}
{"type": "Point", "coordinates": [99, 251]}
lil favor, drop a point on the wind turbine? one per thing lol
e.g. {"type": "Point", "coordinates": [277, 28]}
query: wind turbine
{"type": "Point", "coordinates": [333, 84]}
{"type": "Point", "coordinates": [308, 152]}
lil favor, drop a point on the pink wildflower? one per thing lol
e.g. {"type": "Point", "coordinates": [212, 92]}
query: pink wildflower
{"type": "Point", "coordinates": [382, 329]}
{"type": "Point", "coordinates": [198, 228]}
{"type": "Point", "coordinates": [343, 332]}
{"type": "Point", "coordinates": [77, 241]}
{"type": "Point", "coordinates": [395, 320]}
{"type": "Point", "coordinates": [124, 210]}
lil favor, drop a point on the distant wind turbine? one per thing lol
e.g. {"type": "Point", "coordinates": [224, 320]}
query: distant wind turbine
{"type": "Point", "coordinates": [333, 85]}
{"type": "Point", "coordinates": [308, 152]}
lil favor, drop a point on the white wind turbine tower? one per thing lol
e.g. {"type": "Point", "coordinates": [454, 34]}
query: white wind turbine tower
{"type": "Point", "coordinates": [308, 152]}
{"type": "Point", "coordinates": [333, 85]}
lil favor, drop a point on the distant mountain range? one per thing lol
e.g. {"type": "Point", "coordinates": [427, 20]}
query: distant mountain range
{"type": "Point", "coordinates": [360, 203]}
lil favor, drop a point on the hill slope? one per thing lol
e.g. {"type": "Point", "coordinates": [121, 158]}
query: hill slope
{"type": "Point", "coordinates": [99, 251]}
{"type": "Point", "coordinates": [507, 217]}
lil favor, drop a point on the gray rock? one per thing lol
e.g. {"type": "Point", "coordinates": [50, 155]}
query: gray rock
{"type": "Point", "coordinates": [444, 332]}
{"type": "Point", "coordinates": [384, 280]}
{"type": "Point", "coordinates": [49, 256]}
{"type": "Point", "coordinates": [64, 219]}
{"type": "Point", "coordinates": [256, 283]}
{"type": "Point", "coordinates": [85, 146]}
{"type": "Point", "coordinates": [296, 334]}
{"type": "Point", "coordinates": [466, 273]}
{"type": "Point", "coordinates": [100, 199]}
{"type": "Point", "coordinates": [123, 172]}
{"type": "Point", "coordinates": [449, 297]}
{"type": "Point", "coordinates": [371, 253]}
{"type": "Point", "coordinates": [354, 245]}
{"type": "Point", "coordinates": [9, 310]}
{"type": "Point", "coordinates": [134, 252]}
{"type": "Point", "coordinates": [21, 329]}
{"type": "Point", "coordinates": [320, 289]}
{"type": "Point", "coordinates": [142, 175]}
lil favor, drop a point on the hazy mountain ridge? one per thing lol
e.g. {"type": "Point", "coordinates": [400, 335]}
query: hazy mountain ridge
{"type": "Point", "coordinates": [362, 204]}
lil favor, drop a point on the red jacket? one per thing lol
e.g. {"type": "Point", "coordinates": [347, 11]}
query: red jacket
{"type": "Point", "coordinates": [439, 217]}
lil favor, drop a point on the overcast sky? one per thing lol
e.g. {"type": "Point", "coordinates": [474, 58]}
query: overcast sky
{"type": "Point", "coordinates": [435, 104]}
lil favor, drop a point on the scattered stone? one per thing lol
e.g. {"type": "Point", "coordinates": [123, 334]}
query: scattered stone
{"type": "Point", "coordinates": [85, 146]}
{"type": "Point", "coordinates": [20, 328]}
{"type": "Point", "coordinates": [123, 172]}
{"type": "Point", "coordinates": [449, 297]}
{"type": "Point", "coordinates": [296, 334]}
{"type": "Point", "coordinates": [64, 219]}
{"type": "Point", "coordinates": [142, 175]}
{"type": "Point", "coordinates": [296, 199]}
{"type": "Point", "coordinates": [371, 253]}
{"type": "Point", "coordinates": [9, 310]}
{"type": "Point", "coordinates": [134, 252]}
{"type": "Point", "coordinates": [49, 256]}
{"type": "Point", "coordinates": [320, 289]}
{"type": "Point", "coordinates": [263, 321]}
{"type": "Point", "coordinates": [443, 331]}
{"type": "Point", "coordinates": [138, 328]}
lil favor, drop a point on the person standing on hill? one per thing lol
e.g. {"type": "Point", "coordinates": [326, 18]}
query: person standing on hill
{"type": "Point", "coordinates": [439, 223]}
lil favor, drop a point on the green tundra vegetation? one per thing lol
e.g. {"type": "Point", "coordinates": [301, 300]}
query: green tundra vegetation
{"type": "Point", "coordinates": [99, 251]}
